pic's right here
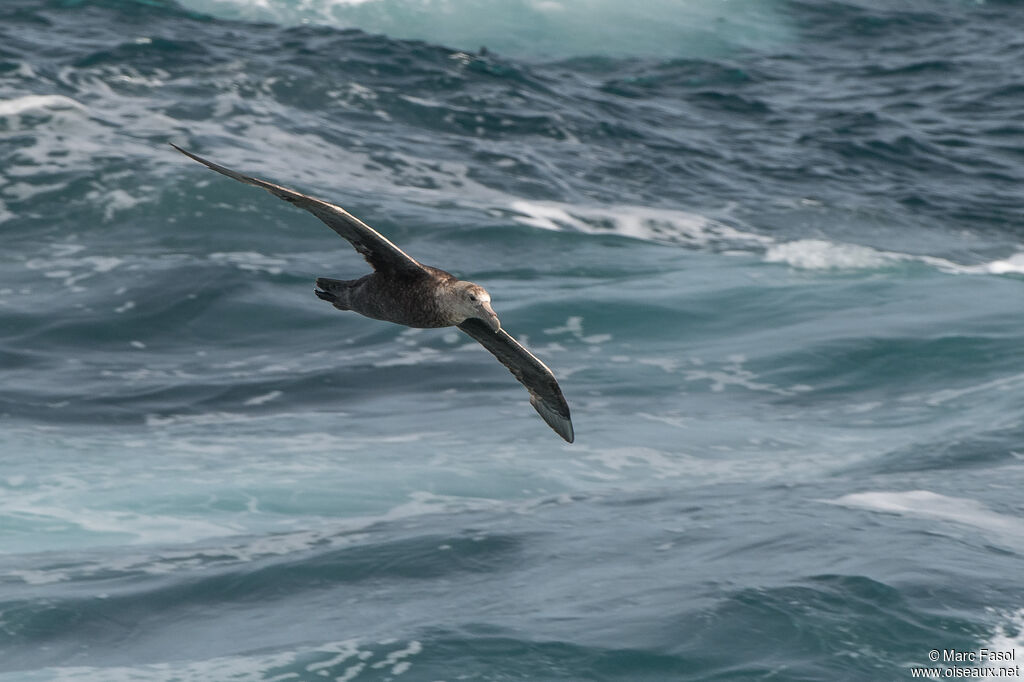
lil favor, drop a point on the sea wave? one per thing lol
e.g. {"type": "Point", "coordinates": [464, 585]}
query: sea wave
{"type": "Point", "coordinates": [539, 28]}
{"type": "Point", "coordinates": [820, 254]}
{"type": "Point", "coordinates": [772, 252]}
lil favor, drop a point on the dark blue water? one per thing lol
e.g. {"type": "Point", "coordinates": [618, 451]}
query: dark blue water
{"type": "Point", "coordinates": [774, 252]}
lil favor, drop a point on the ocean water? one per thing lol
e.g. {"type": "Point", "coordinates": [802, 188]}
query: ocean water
{"type": "Point", "coordinates": [774, 252]}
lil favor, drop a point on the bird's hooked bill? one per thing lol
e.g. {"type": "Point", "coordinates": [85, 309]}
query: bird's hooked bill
{"type": "Point", "coordinates": [491, 318]}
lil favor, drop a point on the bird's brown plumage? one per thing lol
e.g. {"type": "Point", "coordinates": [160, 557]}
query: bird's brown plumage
{"type": "Point", "coordinates": [404, 291]}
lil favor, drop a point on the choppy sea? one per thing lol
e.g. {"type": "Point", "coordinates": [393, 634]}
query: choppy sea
{"type": "Point", "coordinates": [773, 250]}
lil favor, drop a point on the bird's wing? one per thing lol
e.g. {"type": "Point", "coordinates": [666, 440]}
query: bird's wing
{"type": "Point", "coordinates": [374, 247]}
{"type": "Point", "coordinates": [545, 395]}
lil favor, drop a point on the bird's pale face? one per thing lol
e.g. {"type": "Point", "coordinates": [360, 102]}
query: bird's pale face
{"type": "Point", "coordinates": [472, 300]}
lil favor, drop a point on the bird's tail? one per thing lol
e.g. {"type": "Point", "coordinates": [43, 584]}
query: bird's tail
{"type": "Point", "coordinates": [334, 291]}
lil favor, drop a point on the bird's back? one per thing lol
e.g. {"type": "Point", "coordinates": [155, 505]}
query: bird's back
{"type": "Point", "coordinates": [408, 299]}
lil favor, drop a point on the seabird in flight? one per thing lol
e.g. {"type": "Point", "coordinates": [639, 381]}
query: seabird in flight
{"type": "Point", "coordinates": [404, 291]}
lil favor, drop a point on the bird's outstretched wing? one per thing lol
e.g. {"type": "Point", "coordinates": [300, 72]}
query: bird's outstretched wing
{"type": "Point", "coordinates": [545, 395]}
{"type": "Point", "coordinates": [375, 248]}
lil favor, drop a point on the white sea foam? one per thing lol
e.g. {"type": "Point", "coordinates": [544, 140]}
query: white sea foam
{"type": "Point", "coordinates": [116, 200]}
{"type": "Point", "coordinates": [394, 659]}
{"type": "Point", "coordinates": [726, 461]}
{"type": "Point", "coordinates": [1006, 383]}
{"type": "Point", "coordinates": [719, 375]}
{"type": "Point", "coordinates": [656, 463]}
{"type": "Point", "coordinates": [68, 135]}
{"type": "Point", "coordinates": [1008, 636]}
{"type": "Point", "coordinates": [818, 254]}
{"type": "Point", "coordinates": [252, 261]}
{"type": "Point", "coordinates": [666, 364]}
{"type": "Point", "coordinates": [23, 190]}
{"type": "Point", "coordinates": [926, 504]}
{"type": "Point", "coordinates": [190, 558]}
{"type": "Point", "coordinates": [66, 265]}
{"type": "Point", "coordinates": [639, 222]}
{"type": "Point", "coordinates": [139, 528]}
{"type": "Point", "coordinates": [733, 373]}
{"type": "Point", "coordinates": [658, 28]}
{"type": "Point", "coordinates": [574, 325]}
{"type": "Point", "coordinates": [39, 576]}
{"type": "Point", "coordinates": [1012, 265]}
{"type": "Point", "coordinates": [21, 105]}
{"type": "Point", "coordinates": [204, 418]}
{"type": "Point", "coordinates": [821, 254]}
{"type": "Point", "coordinates": [344, 651]}
{"type": "Point", "coordinates": [418, 356]}
{"type": "Point", "coordinates": [222, 543]}
{"type": "Point", "coordinates": [264, 398]}
{"type": "Point", "coordinates": [693, 230]}
{"type": "Point", "coordinates": [322, 661]}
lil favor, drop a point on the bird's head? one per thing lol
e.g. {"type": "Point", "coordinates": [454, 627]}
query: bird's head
{"type": "Point", "coordinates": [472, 300]}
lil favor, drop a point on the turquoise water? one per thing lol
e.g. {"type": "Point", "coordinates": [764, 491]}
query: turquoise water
{"type": "Point", "coordinates": [771, 250]}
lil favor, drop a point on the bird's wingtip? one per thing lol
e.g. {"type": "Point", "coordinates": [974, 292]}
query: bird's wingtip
{"type": "Point", "coordinates": [186, 152]}
{"type": "Point", "coordinates": [559, 423]}
{"type": "Point", "coordinates": [567, 433]}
